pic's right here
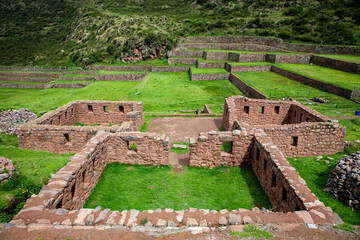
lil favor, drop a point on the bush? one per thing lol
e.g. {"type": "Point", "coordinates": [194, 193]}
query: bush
{"type": "Point", "coordinates": [293, 11]}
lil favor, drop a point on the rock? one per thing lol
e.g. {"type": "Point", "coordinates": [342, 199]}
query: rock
{"type": "Point", "coordinates": [223, 221]}
{"type": "Point", "coordinates": [161, 223]}
{"type": "Point", "coordinates": [133, 218]}
{"type": "Point", "coordinates": [203, 223]}
{"type": "Point", "coordinates": [89, 220]}
{"type": "Point", "coordinates": [179, 146]}
{"type": "Point", "coordinates": [326, 161]}
{"type": "Point", "coordinates": [180, 216]}
{"type": "Point", "coordinates": [191, 222]}
{"type": "Point", "coordinates": [4, 176]}
{"type": "Point", "coordinates": [234, 219]}
{"type": "Point", "coordinates": [102, 216]}
{"type": "Point", "coordinates": [248, 220]}
{"type": "Point", "coordinates": [12, 120]}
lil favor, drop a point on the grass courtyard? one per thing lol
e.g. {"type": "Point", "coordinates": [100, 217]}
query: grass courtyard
{"type": "Point", "coordinates": [152, 187]}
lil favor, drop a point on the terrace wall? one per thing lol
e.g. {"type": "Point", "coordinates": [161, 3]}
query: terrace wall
{"type": "Point", "coordinates": [245, 88]}
{"type": "Point", "coordinates": [235, 39]}
{"type": "Point", "coordinates": [321, 49]}
{"type": "Point", "coordinates": [120, 68]}
{"type": "Point", "coordinates": [254, 68]}
{"type": "Point", "coordinates": [30, 74]}
{"type": "Point", "coordinates": [287, 58]}
{"type": "Point", "coordinates": [120, 77]}
{"type": "Point", "coordinates": [27, 79]}
{"type": "Point", "coordinates": [327, 87]}
{"type": "Point", "coordinates": [209, 76]}
{"type": "Point", "coordinates": [43, 86]}
{"type": "Point", "coordinates": [336, 64]}
{"type": "Point", "coordinates": [210, 64]}
{"type": "Point", "coordinates": [188, 61]}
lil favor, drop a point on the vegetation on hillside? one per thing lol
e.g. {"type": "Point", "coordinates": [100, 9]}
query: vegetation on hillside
{"type": "Point", "coordinates": [69, 32]}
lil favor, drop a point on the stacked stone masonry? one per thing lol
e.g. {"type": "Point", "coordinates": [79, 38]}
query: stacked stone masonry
{"type": "Point", "coordinates": [56, 131]}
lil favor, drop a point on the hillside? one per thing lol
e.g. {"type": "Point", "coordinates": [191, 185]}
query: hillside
{"type": "Point", "coordinates": [78, 33]}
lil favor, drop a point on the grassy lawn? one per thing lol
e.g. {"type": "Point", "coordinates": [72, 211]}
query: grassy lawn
{"type": "Point", "coordinates": [346, 58]}
{"type": "Point", "coordinates": [328, 75]}
{"type": "Point", "coordinates": [195, 70]}
{"type": "Point", "coordinates": [316, 174]}
{"type": "Point", "coordinates": [151, 187]}
{"type": "Point", "coordinates": [174, 92]}
{"type": "Point", "coordinates": [39, 100]}
{"type": "Point", "coordinates": [34, 168]}
{"type": "Point", "coordinates": [352, 128]}
{"type": "Point", "coordinates": [275, 86]}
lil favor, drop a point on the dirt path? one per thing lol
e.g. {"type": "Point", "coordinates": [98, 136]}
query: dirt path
{"type": "Point", "coordinates": [179, 129]}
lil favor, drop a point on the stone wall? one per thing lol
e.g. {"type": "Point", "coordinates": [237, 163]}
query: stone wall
{"type": "Point", "coordinates": [90, 78]}
{"type": "Point", "coordinates": [236, 39]}
{"type": "Point", "coordinates": [120, 77]}
{"type": "Point", "coordinates": [25, 86]}
{"type": "Point", "coordinates": [120, 68]}
{"type": "Point", "coordinates": [286, 190]}
{"type": "Point", "coordinates": [327, 87]}
{"type": "Point", "coordinates": [210, 64]}
{"type": "Point", "coordinates": [213, 56]}
{"type": "Point", "coordinates": [55, 131]}
{"type": "Point", "coordinates": [336, 64]}
{"type": "Point", "coordinates": [287, 58]}
{"type": "Point", "coordinates": [27, 79]}
{"type": "Point", "coordinates": [70, 85]}
{"type": "Point", "coordinates": [170, 69]}
{"type": "Point", "coordinates": [254, 68]}
{"type": "Point", "coordinates": [209, 76]}
{"type": "Point", "coordinates": [205, 150]}
{"type": "Point", "coordinates": [188, 61]}
{"type": "Point", "coordinates": [245, 88]}
{"type": "Point", "coordinates": [321, 49]}
{"type": "Point", "coordinates": [30, 74]}
{"type": "Point", "coordinates": [230, 46]}
{"type": "Point", "coordinates": [264, 112]}
{"type": "Point", "coordinates": [180, 53]}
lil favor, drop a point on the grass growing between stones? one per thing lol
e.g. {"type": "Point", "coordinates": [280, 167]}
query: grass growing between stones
{"type": "Point", "coordinates": [316, 174]}
{"type": "Point", "coordinates": [328, 75]}
{"type": "Point", "coordinates": [149, 187]}
{"type": "Point", "coordinates": [34, 168]}
{"type": "Point", "coordinates": [174, 91]}
{"type": "Point", "coordinates": [181, 150]}
{"type": "Point", "coordinates": [275, 86]}
{"type": "Point", "coordinates": [39, 100]}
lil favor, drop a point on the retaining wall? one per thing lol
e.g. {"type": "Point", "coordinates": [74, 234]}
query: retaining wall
{"type": "Point", "coordinates": [321, 49]}
{"type": "Point", "coordinates": [188, 61]}
{"type": "Point", "coordinates": [120, 77]}
{"type": "Point", "coordinates": [236, 39]}
{"type": "Point", "coordinates": [231, 46]}
{"type": "Point", "coordinates": [210, 64]}
{"type": "Point", "coordinates": [120, 68]}
{"type": "Point", "coordinates": [44, 86]}
{"type": "Point", "coordinates": [336, 64]}
{"type": "Point", "coordinates": [27, 79]}
{"type": "Point", "coordinates": [30, 74]}
{"type": "Point", "coordinates": [182, 53]}
{"type": "Point", "coordinates": [285, 58]}
{"type": "Point", "coordinates": [255, 68]}
{"type": "Point", "coordinates": [209, 76]}
{"type": "Point", "coordinates": [327, 87]}
{"type": "Point", "coordinates": [245, 88]}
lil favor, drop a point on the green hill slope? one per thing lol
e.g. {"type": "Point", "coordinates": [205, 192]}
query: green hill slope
{"type": "Point", "coordinates": [69, 32]}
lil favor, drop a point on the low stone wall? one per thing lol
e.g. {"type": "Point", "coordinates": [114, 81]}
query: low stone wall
{"type": "Point", "coordinates": [255, 68]}
{"type": "Point", "coordinates": [327, 87]}
{"type": "Point", "coordinates": [55, 131]}
{"type": "Point", "coordinates": [285, 58]}
{"type": "Point", "coordinates": [27, 79]}
{"type": "Point", "coordinates": [236, 39]}
{"type": "Point", "coordinates": [321, 49]}
{"type": "Point", "coordinates": [245, 88]}
{"type": "Point", "coordinates": [230, 46]}
{"type": "Point", "coordinates": [210, 64]}
{"type": "Point", "coordinates": [182, 53]}
{"type": "Point", "coordinates": [209, 76]}
{"type": "Point", "coordinates": [189, 61]}
{"type": "Point", "coordinates": [120, 77]}
{"type": "Point", "coordinates": [336, 64]}
{"type": "Point", "coordinates": [285, 188]}
{"type": "Point", "coordinates": [211, 56]}
{"type": "Point", "coordinates": [120, 68]}
{"type": "Point", "coordinates": [91, 78]}
{"type": "Point", "coordinates": [70, 85]}
{"type": "Point", "coordinates": [26, 86]}
{"type": "Point", "coordinates": [30, 74]}
{"type": "Point", "coordinates": [170, 69]}
{"type": "Point", "coordinates": [49, 69]}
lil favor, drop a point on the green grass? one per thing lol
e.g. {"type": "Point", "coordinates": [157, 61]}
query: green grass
{"type": "Point", "coordinates": [275, 86]}
{"type": "Point", "coordinates": [151, 187]}
{"type": "Point", "coordinates": [345, 227]}
{"type": "Point", "coordinates": [316, 174]}
{"type": "Point", "coordinates": [352, 128]}
{"type": "Point", "coordinates": [39, 100]}
{"type": "Point", "coordinates": [195, 70]}
{"type": "Point", "coordinates": [252, 231]}
{"type": "Point", "coordinates": [328, 75]}
{"type": "Point", "coordinates": [346, 58]}
{"type": "Point", "coordinates": [179, 150]}
{"type": "Point", "coordinates": [174, 91]}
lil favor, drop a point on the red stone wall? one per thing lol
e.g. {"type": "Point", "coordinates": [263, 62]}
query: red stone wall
{"type": "Point", "coordinates": [55, 131]}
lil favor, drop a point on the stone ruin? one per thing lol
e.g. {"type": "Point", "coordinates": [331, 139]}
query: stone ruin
{"type": "Point", "coordinates": [344, 181]}
{"type": "Point", "coordinates": [261, 133]}
{"type": "Point", "coordinates": [12, 120]}
{"type": "Point", "coordinates": [7, 169]}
